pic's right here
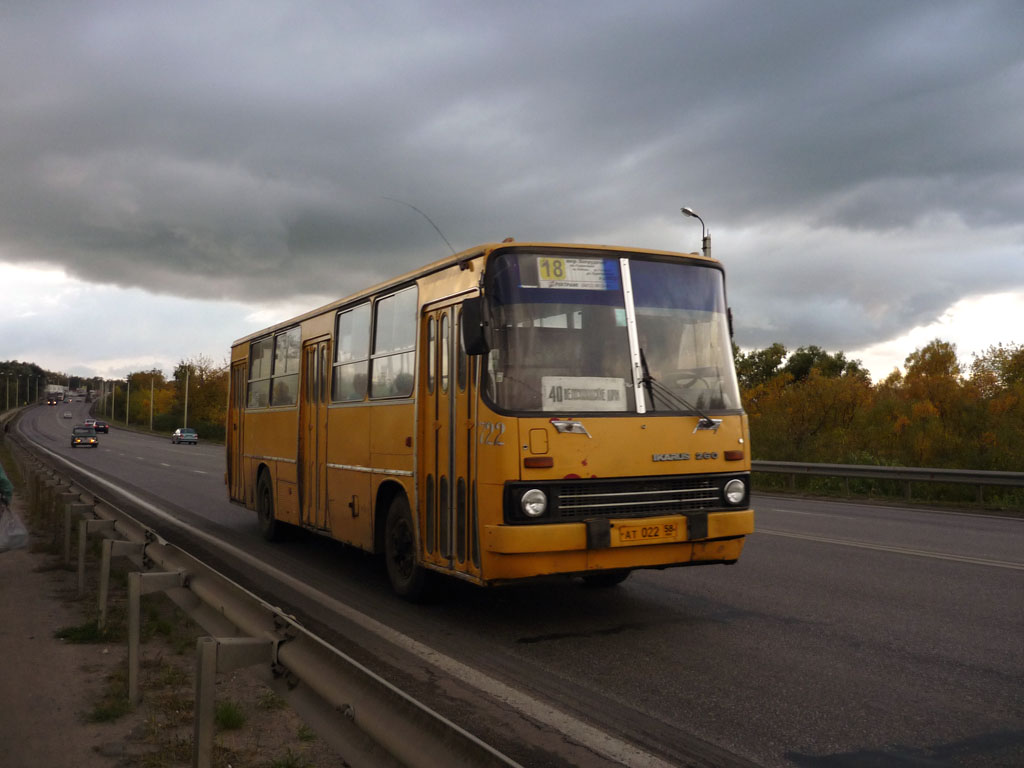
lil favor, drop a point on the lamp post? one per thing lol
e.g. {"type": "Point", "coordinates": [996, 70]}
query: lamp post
{"type": "Point", "coordinates": [185, 420]}
{"type": "Point", "coordinates": [705, 236]}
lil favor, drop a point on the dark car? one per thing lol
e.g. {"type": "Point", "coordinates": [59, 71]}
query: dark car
{"type": "Point", "coordinates": [185, 435]}
{"type": "Point", "coordinates": [84, 436]}
{"type": "Point", "coordinates": [101, 426]}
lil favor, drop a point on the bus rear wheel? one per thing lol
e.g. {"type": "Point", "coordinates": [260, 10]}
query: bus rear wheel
{"type": "Point", "coordinates": [270, 528]}
{"type": "Point", "coordinates": [408, 577]}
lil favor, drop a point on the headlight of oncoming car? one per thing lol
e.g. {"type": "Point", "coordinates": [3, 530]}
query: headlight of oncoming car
{"type": "Point", "coordinates": [534, 503]}
{"type": "Point", "coordinates": [734, 491]}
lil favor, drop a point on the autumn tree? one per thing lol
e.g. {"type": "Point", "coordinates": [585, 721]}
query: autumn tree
{"type": "Point", "coordinates": [817, 406]}
{"type": "Point", "coordinates": [204, 387]}
{"type": "Point", "coordinates": [759, 366]}
{"type": "Point", "coordinates": [146, 387]}
{"type": "Point", "coordinates": [998, 377]}
{"type": "Point", "coordinates": [801, 363]}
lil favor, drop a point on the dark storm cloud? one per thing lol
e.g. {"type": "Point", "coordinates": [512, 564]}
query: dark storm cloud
{"type": "Point", "coordinates": [860, 163]}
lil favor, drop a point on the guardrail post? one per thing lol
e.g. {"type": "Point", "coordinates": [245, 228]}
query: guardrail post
{"type": "Point", "coordinates": [43, 499]}
{"type": "Point", "coordinates": [206, 678]}
{"type": "Point", "coordinates": [85, 527]}
{"type": "Point", "coordinates": [113, 548]}
{"type": "Point", "coordinates": [64, 501]}
{"type": "Point", "coordinates": [908, 490]}
{"type": "Point", "coordinates": [72, 512]}
{"type": "Point", "coordinates": [140, 584]}
{"type": "Point", "coordinates": [213, 655]}
{"type": "Point", "coordinates": [57, 500]}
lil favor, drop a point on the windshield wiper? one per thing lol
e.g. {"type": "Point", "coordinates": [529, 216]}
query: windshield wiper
{"type": "Point", "coordinates": [647, 380]}
{"type": "Point", "coordinates": [673, 398]}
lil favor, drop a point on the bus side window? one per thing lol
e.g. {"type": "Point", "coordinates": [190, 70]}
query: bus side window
{"type": "Point", "coordinates": [351, 354]}
{"type": "Point", "coordinates": [394, 345]}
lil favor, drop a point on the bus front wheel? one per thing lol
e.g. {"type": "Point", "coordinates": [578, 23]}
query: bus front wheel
{"type": "Point", "coordinates": [408, 577]}
{"type": "Point", "coordinates": [270, 528]}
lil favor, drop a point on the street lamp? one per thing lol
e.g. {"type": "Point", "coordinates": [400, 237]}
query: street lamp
{"type": "Point", "coordinates": [705, 236]}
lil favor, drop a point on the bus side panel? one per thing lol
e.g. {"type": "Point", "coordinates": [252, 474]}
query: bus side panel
{"type": "Point", "coordinates": [270, 439]}
{"type": "Point", "coordinates": [391, 436]}
{"type": "Point", "coordinates": [287, 486]}
{"type": "Point", "coordinates": [349, 480]}
{"type": "Point", "coordinates": [391, 451]}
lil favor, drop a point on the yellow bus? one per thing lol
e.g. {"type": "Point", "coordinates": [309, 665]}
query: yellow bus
{"type": "Point", "coordinates": [514, 411]}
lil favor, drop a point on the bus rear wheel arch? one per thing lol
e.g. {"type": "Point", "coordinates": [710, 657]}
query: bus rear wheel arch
{"type": "Point", "coordinates": [401, 551]}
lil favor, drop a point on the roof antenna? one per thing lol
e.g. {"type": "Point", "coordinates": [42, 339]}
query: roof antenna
{"type": "Point", "coordinates": [421, 213]}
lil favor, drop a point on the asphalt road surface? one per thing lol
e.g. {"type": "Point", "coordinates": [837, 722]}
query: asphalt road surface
{"type": "Point", "coordinates": [847, 635]}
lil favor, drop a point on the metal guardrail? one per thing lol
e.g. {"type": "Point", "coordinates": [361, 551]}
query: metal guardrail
{"type": "Point", "coordinates": [367, 720]}
{"type": "Point", "coordinates": [978, 478]}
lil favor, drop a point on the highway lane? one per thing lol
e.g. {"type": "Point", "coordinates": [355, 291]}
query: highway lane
{"type": "Point", "coordinates": [847, 634]}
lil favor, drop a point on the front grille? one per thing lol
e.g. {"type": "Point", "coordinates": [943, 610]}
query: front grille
{"type": "Point", "coordinates": [575, 500]}
{"type": "Point", "coordinates": [636, 498]}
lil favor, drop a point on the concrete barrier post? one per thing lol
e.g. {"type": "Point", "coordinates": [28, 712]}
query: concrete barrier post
{"type": "Point", "coordinates": [213, 655]}
{"type": "Point", "coordinates": [140, 584]}
{"type": "Point", "coordinates": [71, 513]}
{"type": "Point", "coordinates": [85, 527]}
{"type": "Point", "coordinates": [112, 548]}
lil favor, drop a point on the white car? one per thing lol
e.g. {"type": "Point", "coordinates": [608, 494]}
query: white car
{"type": "Point", "coordinates": [185, 435]}
{"type": "Point", "coordinates": [67, 414]}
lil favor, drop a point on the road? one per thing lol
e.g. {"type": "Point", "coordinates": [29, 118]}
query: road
{"type": "Point", "coordinates": [847, 635]}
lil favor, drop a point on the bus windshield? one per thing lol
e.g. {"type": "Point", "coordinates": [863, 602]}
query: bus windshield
{"type": "Point", "coordinates": [561, 342]}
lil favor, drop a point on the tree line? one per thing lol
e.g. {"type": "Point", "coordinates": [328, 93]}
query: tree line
{"type": "Point", "coordinates": [815, 406]}
{"type": "Point", "coordinates": [196, 396]}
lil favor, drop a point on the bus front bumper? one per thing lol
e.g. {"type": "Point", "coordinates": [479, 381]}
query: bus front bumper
{"type": "Point", "coordinates": [648, 531]}
{"type": "Point", "coordinates": [522, 551]}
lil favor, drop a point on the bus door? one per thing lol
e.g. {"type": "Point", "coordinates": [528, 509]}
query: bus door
{"type": "Point", "coordinates": [316, 363]}
{"type": "Point", "coordinates": [447, 416]}
{"type": "Point", "coordinates": [236, 411]}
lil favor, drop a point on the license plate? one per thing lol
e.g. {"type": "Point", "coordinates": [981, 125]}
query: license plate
{"type": "Point", "coordinates": [653, 532]}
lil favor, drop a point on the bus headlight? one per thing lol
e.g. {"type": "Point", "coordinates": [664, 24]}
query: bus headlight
{"type": "Point", "coordinates": [734, 491]}
{"type": "Point", "coordinates": [534, 503]}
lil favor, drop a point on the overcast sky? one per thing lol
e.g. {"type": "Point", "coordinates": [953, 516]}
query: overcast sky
{"type": "Point", "coordinates": [176, 175]}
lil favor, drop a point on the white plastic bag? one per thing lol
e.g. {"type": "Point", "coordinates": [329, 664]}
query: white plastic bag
{"type": "Point", "coordinates": [13, 534]}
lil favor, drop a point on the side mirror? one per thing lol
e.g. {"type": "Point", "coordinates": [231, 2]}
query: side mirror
{"type": "Point", "coordinates": [474, 327]}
